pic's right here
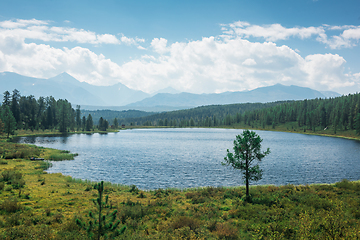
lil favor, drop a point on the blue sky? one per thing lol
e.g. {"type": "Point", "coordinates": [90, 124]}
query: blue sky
{"type": "Point", "coordinates": [193, 46]}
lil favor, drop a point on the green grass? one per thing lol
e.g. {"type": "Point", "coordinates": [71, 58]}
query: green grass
{"type": "Point", "coordinates": [47, 206]}
{"type": "Point", "coordinates": [61, 155]}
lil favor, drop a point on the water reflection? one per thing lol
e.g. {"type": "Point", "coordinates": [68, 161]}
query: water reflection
{"type": "Point", "coordinates": [183, 158]}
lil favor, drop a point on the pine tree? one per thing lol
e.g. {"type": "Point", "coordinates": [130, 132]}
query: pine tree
{"type": "Point", "coordinates": [9, 121]}
{"type": "Point", "coordinates": [78, 117]}
{"type": "Point", "coordinates": [101, 224]}
{"type": "Point", "coordinates": [247, 148]}
{"type": "Point", "coordinates": [89, 123]}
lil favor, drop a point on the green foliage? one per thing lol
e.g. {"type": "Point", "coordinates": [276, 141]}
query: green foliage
{"type": "Point", "coordinates": [329, 115]}
{"type": "Point", "coordinates": [9, 121]}
{"type": "Point", "coordinates": [89, 123]}
{"type": "Point", "coordinates": [204, 116]}
{"type": "Point", "coordinates": [103, 124]}
{"type": "Point", "coordinates": [62, 156]}
{"type": "Point", "coordinates": [11, 205]}
{"type": "Point", "coordinates": [25, 112]}
{"type": "Point", "coordinates": [103, 224]}
{"type": "Point", "coordinates": [247, 148]}
{"type": "Point", "coordinates": [14, 178]}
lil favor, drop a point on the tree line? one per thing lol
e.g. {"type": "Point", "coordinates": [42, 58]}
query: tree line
{"type": "Point", "coordinates": [26, 112]}
{"type": "Point", "coordinates": [340, 113]}
{"type": "Point", "coordinates": [203, 116]}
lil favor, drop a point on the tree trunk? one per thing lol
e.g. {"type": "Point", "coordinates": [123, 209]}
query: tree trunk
{"type": "Point", "coordinates": [247, 180]}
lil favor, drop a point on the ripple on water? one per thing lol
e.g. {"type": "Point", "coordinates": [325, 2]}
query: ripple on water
{"type": "Point", "coordinates": [184, 158]}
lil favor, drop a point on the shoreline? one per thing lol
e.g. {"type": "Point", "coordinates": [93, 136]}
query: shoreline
{"type": "Point", "coordinates": [179, 189]}
{"type": "Point", "coordinates": [47, 206]}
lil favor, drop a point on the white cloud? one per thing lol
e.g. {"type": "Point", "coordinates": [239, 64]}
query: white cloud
{"type": "Point", "coordinates": [159, 45]}
{"type": "Point", "coordinates": [19, 23]}
{"type": "Point", "coordinates": [273, 32]}
{"type": "Point", "coordinates": [212, 64]}
{"type": "Point", "coordinates": [42, 30]}
{"type": "Point", "coordinates": [249, 62]}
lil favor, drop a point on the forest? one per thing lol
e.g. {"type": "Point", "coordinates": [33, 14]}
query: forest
{"type": "Point", "coordinates": [27, 113]}
{"type": "Point", "coordinates": [310, 115]}
{"type": "Point", "coordinates": [331, 114]}
{"type": "Point", "coordinates": [37, 205]}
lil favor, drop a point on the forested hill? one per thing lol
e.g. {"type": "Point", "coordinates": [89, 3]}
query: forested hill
{"type": "Point", "coordinates": [332, 114]}
{"type": "Point", "coordinates": [215, 115]}
{"type": "Point", "coordinates": [110, 115]}
{"type": "Point", "coordinates": [340, 113]}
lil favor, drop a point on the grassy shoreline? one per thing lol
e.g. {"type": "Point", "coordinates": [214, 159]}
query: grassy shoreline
{"type": "Point", "coordinates": [47, 205]}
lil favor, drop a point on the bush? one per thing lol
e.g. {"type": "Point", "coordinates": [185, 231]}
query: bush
{"type": "Point", "coordinates": [9, 175]}
{"type": "Point", "coordinates": [3, 162]}
{"type": "Point", "coordinates": [14, 178]}
{"type": "Point", "coordinates": [196, 197]}
{"type": "Point", "coordinates": [184, 221]}
{"type": "Point", "coordinates": [134, 189]}
{"type": "Point", "coordinates": [18, 183]}
{"type": "Point", "coordinates": [11, 205]}
{"type": "Point", "coordinates": [226, 231]}
{"type": "Point", "coordinates": [346, 184]}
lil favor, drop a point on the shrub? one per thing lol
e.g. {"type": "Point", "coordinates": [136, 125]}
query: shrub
{"type": "Point", "coordinates": [184, 221]}
{"type": "Point", "coordinates": [226, 231]}
{"type": "Point", "coordinates": [134, 189]}
{"type": "Point", "coordinates": [18, 183]}
{"type": "Point", "coordinates": [11, 205]}
{"type": "Point", "coordinates": [196, 197]}
{"type": "Point", "coordinates": [3, 162]}
{"type": "Point", "coordinates": [58, 217]}
{"type": "Point", "coordinates": [135, 212]}
{"type": "Point", "coordinates": [9, 175]}
{"type": "Point", "coordinates": [345, 184]}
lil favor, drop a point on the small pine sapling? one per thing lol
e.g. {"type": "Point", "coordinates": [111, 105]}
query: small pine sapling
{"type": "Point", "coordinates": [101, 224]}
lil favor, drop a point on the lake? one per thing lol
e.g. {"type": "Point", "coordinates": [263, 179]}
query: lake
{"type": "Point", "coordinates": [186, 158]}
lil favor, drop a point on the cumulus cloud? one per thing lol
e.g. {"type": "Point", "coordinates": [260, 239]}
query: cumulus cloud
{"type": "Point", "coordinates": [274, 32]}
{"type": "Point", "coordinates": [348, 38]}
{"type": "Point", "coordinates": [211, 64]}
{"type": "Point", "coordinates": [159, 45]}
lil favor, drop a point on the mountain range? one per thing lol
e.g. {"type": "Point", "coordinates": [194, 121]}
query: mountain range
{"type": "Point", "coordinates": [120, 97]}
{"type": "Point", "coordinates": [65, 86]}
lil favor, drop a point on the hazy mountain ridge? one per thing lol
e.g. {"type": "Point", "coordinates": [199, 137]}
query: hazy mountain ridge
{"type": "Point", "coordinates": [65, 86]}
{"type": "Point", "coordinates": [119, 96]}
{"type": "Point", "coordinates": [273, 93]}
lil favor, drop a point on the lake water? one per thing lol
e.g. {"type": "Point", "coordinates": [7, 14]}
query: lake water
{"type": "Point", "coordinates": [185, 158]}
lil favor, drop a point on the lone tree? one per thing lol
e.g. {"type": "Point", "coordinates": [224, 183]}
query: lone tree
{"type": "Point", "coordinates": [247, 147]}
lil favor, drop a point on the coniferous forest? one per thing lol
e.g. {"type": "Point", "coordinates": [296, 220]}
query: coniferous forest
{"type": "Point", "coordinates": [37, 205]}
{"type": "Point", "coordinates": [330, 114]}
{"type": "Point", "coordinates": [27, 113]}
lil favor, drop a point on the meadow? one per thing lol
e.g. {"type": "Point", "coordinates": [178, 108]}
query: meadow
{"type": "Point", "coordinates": [37, 205]}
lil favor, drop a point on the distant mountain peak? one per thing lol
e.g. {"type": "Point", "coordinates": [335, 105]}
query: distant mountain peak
{"type": "Point", "coordinates": [169, 90]}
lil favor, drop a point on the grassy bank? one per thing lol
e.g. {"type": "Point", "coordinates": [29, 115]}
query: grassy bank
{"type": "Point", "coordinates": [294, 128]}
{"type": "Point", "coordinates": [37, 205]}
{"type": "Point", "coordinates": [47, 132]}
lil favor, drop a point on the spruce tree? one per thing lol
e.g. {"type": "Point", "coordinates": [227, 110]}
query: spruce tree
{"type": "Point", "coordinates": [9, 121]}
{"type": "Point", "coordinates": [247, 147]}
{"type": "Point", "coordinates": [101, 224]}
